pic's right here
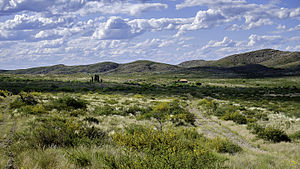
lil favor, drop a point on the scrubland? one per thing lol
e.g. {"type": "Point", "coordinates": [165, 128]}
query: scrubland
{"type": "Point", "coordinates": [61, 121]}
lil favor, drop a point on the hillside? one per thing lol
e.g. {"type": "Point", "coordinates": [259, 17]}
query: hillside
{"type": "Point", "coordinates": [142, 66]}
{"type": "Point", "coordinates": [62, 69]}
{"type": "Point", "coordinates": [261, 63]}
{"type": "Point", "coordinates": [266, 57]}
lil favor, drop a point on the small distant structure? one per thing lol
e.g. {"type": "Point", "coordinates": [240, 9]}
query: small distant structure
{"type": "Point", "coordinates": [96, 78]}
{"type": "Point", "coordinates": [182, 81]}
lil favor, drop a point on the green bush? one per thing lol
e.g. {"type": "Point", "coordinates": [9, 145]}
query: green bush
{"type": "Point", "coordinates": [5, 93]}
{"type": "Point", "coordinates": [209, 104]}
{"type": "Point", "coordinates": [35, 110]}
{"type": "Point", "coordinates": [105, 110]}
{"type": "Point", "coordinates": [295, 136]}
{"type": "Point", "coordinates": [16, 104]}
{"type": "Point", "coordinates": [173, 111]}
{"type": "Point", "coordinates": [91, 120]}
{"type": "Point", "coordinates": [236, 117]}
{"type": "Point", "coordinates": [170, 148]}
{"type": "Point", "coordinates": [59, 132]}
{"type": "Point", "coordinates": [224, 146]}
{"type": "Point", "coordinates": [269, 133]}
{"type": "Point", "coordinates": [80, 158]}
{"type": "Point", "coordinates": [68, 103]}
{"type": "Point", "coordinates": [224, 109]}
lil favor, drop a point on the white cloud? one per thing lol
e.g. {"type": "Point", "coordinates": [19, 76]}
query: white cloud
{"type": "Point", "coordinates": [118, 28]}
{"type": "Point", "coordinates": [120, 8]}
{"type": "Point", "coordinates": [8, 7]}
{"type": "Point", "coordinates": [264, 40]}
{"type": "Point", "coordinates": [27, 22]}
{"type": "Point", "coordinates": [296, 28]}
{"type": "Point", "coordinates": [192, 3]}
{"type": "Point", "coordinates": [115, 28]}
{"type": "Point", "coordinates": [225, 11]}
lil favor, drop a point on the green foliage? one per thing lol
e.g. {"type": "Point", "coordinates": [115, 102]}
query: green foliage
{"type": "Point", "coordinates": [27, 98]}
{"type": "Point", "coordinates": [59, 132]}
{"type": "Point", "coordinates": [34, 110]}
{"type": "Point", "coordinates": [269, 133]}
{"type": "Point", "coordinates": [295, 136]}
{"type": "Point", "coordinates": [209, 104]}
{"type": "Point", "coordinates": [91, 120]}
{"type": "Point", "coordinates": [111, 101]}
{"type": "Point", "coordinates": [225, 109]}
{"type": "Point", "coordinates": [163, 149]}
{"type": "Point", "coordinates": [236, 117]}
{"type": "Point", "coordinates": [5, 93]}
{"type": "Point", "coordinates": [80, 158]}
{"type": "Point", "coordinates": [164, 111]}
{"type": "Point", "coordinates": [224, 146]}
{"type": "Point", "coordinates": [105, 110]}
{"type": "Point", "coordinates": [68, 103]}
{"type": "Point", "coordinates": [16, 104]}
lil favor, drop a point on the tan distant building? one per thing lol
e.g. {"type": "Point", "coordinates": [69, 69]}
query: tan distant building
{"type": "Point", "coordinates": [183, 81]}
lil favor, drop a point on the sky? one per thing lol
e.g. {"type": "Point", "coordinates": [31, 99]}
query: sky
{"type": "Point", "coordinates": [78, 32]}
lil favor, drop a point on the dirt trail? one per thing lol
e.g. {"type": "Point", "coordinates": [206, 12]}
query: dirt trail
{"type": "Point", "coordinates": [211, 128]}
{"type": "Point", "coordinates": [7, 141]}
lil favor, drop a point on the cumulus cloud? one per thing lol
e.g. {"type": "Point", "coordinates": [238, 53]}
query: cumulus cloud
{"type": "Point", "coordinates": [118, 28]}
{"type": "Point", "coordinates": [115, 28]}
{"type": "Point", "coordinates": [296, 28]}
{"type": "Point", "coordinates": [192, 3]}
{"type": "Point", "coordinates": [27, 22]}
{"type": "Point", "coordinates": [225, 11]}
{"type": "Point", "coordinates": [264, 40]}
{"type": "Point", "coordinates": [84, 7]}
{"type": "Point", "coordinates": [120, 8]}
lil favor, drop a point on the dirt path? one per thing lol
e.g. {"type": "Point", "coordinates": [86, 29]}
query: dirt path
{"type": "Point", "coordinates": [7, 141]}
{"type": "Point", "coordinates": [213, 129]}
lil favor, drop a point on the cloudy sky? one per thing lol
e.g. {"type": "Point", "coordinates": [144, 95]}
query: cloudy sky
{"type": "Point", "coordinates": [48, 32]}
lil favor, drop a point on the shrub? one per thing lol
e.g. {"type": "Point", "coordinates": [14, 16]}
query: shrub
{"type": "Point", "coordinates": [68, 103]}
{"type": "Point", "coordinates": [269, 133]}
{"type": "Point", "coordinates": [209, 104]}
{"type": "Point", "coordinates": [1, 118]}
{"type": "Point", "coordinates": [275, 135]}
{"type": "Point", "coordinates": [35, 110]}
{"type": "Point", "coordinates": [16, 104]}
{"type": "Point", "coordinates": [295, 136]}
{"type": "Point", "coordinates": [5, 93]}
{"type": "Point", "coordinates": [91, 120]}
{"type": "Point", "coordinates": [162, 149]}
{"type": "Point", "coordinates": [27, 98]}
{"type": "Point", "coordinates": [136, 109]}
{"type": "Point", "coordinates": [80, 158]}
{"type": "Point", "coordinates": [59, 132]}
{"type": "Point", "coordinates": [105, 110]}
{"type": "Point", "coordinates": [224, 146]}
{"type": "Point", "coordinates": [164, 111]}
{"type": "Point", "coordinates": [223, 109]}
{"type": "Point", "coordinates": [236, 117]}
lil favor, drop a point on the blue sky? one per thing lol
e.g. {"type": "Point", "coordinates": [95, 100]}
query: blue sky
{"type": "Point", "coordinates": [75, 32]}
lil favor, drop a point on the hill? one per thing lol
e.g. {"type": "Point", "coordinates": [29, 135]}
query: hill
{"type": "Point", "coordinates": [260, 63]}
{"type": "Point", "coordinates": [144, 66]}
{"type": "Point", "coordinates": [266, 57]}
{"type": "Point", "coordinates": [141, 66]}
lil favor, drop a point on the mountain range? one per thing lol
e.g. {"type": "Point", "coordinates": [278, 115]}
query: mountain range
{"type": "Point", "coordinates": [265, 62]}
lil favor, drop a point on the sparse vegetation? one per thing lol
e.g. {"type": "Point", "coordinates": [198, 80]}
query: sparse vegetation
{"type": "Point", "coordinates": [58, 121]}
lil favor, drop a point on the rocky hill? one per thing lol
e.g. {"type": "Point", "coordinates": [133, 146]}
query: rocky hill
{"type": "Point", "coordinates": [265, 57]}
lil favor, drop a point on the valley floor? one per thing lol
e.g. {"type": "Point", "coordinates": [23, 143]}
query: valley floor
{"type": "Point", "coordinates": [58, 121]}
